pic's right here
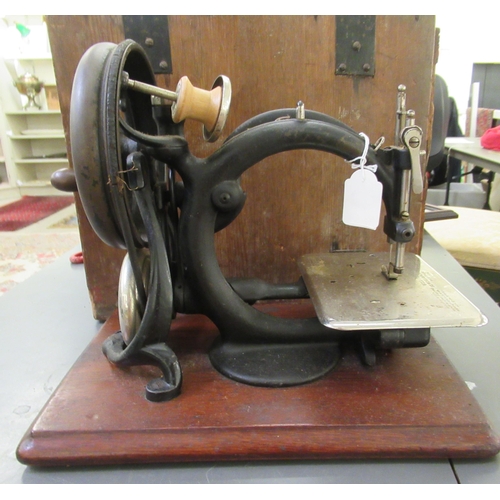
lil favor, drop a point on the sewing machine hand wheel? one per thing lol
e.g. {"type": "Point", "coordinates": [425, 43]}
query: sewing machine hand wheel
{"type": "Point", "coordinates": [122, 203]}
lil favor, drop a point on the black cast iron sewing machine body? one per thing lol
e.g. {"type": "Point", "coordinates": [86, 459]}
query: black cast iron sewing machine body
{"type": "Point", "coordinates": [144, 191]}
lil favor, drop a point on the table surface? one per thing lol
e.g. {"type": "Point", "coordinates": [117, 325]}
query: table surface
{"type": "Point", "coordinates": [52, 309]}
{"type": "Point", "coordinates": [469, 149]}
{"type": "Point", "coordinates": [481, 248]}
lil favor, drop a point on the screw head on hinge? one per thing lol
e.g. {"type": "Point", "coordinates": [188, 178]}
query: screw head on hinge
{"type": "Point", "coordinates": [356, 46]}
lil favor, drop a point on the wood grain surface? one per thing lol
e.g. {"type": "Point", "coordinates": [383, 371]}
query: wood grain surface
{"type": "Point", "coordinates": [412, 404]}
{"type": "Point", "coordinates": [102, 262]}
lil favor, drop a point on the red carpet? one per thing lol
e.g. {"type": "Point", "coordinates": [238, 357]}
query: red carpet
{"type": "Point", "coordinates": [31, 209]}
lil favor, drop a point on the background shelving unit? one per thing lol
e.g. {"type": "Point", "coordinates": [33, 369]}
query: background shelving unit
{"type": "Point", "coordinates": [38, 148]}
{"type": "Point", "coordinates": [4, 180]}
{"type": "Point", "coordinates": [33, 140]}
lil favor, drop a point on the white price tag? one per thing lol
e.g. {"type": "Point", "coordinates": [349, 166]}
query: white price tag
{"type": "Point", "coordinates": [362, 200]}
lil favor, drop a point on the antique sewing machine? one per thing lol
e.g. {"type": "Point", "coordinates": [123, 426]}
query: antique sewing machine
{"type": "Point", "coordinates": [144, 191]}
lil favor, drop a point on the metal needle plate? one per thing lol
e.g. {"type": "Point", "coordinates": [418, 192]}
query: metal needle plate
{"type": "Point", "coordinates": [349, 292]}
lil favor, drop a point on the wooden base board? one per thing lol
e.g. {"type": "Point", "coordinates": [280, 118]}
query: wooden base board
{"type": "Point", "coordinates": [412, 404]}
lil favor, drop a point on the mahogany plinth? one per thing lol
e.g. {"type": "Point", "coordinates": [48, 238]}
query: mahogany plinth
{"type": "Point", "coordinates": [412, 404]}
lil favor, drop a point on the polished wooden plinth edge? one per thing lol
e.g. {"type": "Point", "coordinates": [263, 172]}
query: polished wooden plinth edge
{"type": "Point", "coordinates": [412, 404]}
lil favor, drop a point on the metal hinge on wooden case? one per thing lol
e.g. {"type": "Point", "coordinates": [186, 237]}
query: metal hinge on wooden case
{"type": "Point", "coordinates": [151, 33]}
{"type": "Point", "coordinates": [355, 45]}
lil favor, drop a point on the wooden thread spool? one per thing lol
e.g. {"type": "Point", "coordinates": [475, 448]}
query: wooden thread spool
{"type": "Point", "coordinates": [210, 107]}
{"type": "Point", "coordinates": [198, 104]}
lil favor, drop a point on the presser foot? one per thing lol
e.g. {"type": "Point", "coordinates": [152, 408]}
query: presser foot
{"type": "Point", "coordinates": [274, 365]}
{"type": "Point", "coordinates": [159, 389]}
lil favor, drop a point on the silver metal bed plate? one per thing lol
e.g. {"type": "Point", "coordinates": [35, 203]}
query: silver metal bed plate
{"type": "Point", "coordinates": [350, 292]}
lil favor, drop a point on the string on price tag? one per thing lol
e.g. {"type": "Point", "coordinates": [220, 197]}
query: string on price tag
{"type": "Point", "coordinates": [362, 193]}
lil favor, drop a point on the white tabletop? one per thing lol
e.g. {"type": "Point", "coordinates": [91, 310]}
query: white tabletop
{"type": "Point", "coordinates": [469, 149]}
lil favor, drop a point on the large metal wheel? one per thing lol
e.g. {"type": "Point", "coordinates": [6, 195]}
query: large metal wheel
{"type": "Point", "coordinates": [99, 150]}
{"type": "Point", "coordinates": [116, 182]}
